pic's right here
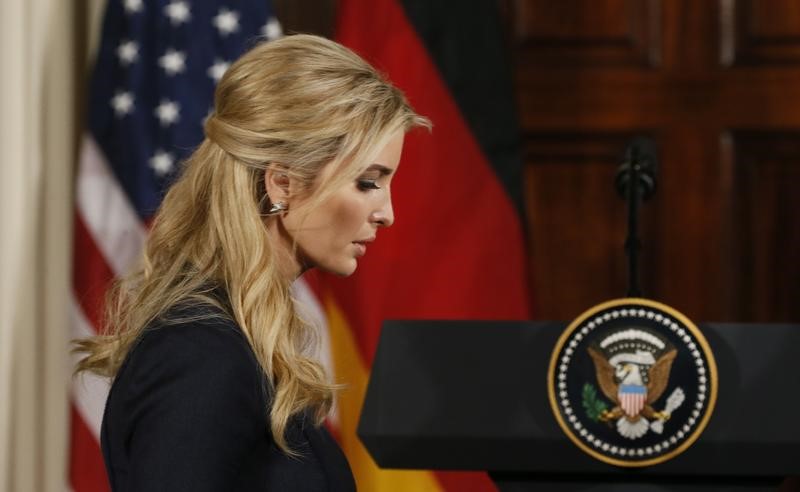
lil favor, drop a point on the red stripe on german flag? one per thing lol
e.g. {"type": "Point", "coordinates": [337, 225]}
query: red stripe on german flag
{"type": "Point", "coordinates": [456, 250]}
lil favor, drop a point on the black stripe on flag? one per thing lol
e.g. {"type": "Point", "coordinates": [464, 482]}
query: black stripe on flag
{"type": "Point", "coordinates": [466, 44]}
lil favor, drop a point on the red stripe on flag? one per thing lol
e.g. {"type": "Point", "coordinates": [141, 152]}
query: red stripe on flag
{"type": "Point", "coordinates": [87, 472]}
{"type": "Point", "coordinates": [91, 275]}
{"type": "Point", "coordinates": [456, 250]}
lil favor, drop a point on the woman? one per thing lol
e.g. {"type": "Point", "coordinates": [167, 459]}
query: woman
{"type": "Point", "coordinates": [215, 383]}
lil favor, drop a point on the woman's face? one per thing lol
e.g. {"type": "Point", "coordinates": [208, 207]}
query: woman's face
{"type": "Point", "coordinates": [338, 231]}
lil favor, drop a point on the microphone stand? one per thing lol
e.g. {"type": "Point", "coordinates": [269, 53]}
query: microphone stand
{"type": "Point", "coordinates": [636, 181]}
{"type": "Point", "coordinates": [632, 242]}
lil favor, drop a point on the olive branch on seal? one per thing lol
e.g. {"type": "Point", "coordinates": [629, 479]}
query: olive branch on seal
{"type": "Point", "coordinates": [594, 406]}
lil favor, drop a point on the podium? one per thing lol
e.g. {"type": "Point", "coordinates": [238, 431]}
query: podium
{"type": "Point", "coordinates": [472, 395]}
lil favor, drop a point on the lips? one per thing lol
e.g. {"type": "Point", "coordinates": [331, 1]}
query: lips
{"type": "Point", "coordinates": [361, 249]}
{"type": "Point", "coordinates": [361, 246]}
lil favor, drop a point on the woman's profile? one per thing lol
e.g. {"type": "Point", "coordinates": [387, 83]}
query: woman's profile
{"type": "Point", "coordinates": [215, 383]}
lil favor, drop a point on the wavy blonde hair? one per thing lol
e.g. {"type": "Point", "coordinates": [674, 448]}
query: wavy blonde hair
{"type": "Point", "coordinates": [301, 102]}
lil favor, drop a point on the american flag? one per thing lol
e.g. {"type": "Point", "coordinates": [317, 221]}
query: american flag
{"type": "Point", "coordinates": [151, 89]}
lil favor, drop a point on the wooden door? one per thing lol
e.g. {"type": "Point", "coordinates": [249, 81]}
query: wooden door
{"type": "Point", "coordinates": [716, 83]}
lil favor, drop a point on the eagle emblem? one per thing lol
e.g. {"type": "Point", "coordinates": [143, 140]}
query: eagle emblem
{"type": "Point", "coordinates": [632, 368]}
{"type": "Point", "coordinates": [632, 382]}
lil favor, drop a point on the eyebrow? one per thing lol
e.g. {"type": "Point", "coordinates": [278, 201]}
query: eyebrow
{"type": "Point", "coordinates": [385, 171]}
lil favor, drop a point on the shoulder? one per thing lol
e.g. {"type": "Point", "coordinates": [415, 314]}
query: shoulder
{"type": "Point", "coordinates": [187, 408]}
{"type": "Point", "coordinates": [207, 353]}
{"type": "Point", "coordinates": [192, 336]}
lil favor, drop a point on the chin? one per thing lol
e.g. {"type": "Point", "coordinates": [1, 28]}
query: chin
{"type": "Point", "coordinates": [347, 272]}
{"type": "Point", "coordinates": [344, 269]}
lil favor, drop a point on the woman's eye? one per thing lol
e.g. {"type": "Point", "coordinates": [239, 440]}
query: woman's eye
{"type": "Point", "coordinates": [368, 184]}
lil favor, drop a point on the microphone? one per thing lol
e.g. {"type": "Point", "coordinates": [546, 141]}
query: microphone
{"type": "Point", "coordinates": [640, 163]}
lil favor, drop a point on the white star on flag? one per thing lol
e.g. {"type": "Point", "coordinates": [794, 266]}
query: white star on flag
{"type": "Point", "coordinates": [128, 52]}
{"type": "Point", "coordinates": [178, 12]}
{"type": "Point", "coordinates": [162, 162]}
{"type": "Point", "coordinates": [122, 103]}
{"type": "Point", "coordinates": [226, 22]}
{"type": "Point", "coordinates": [133, 6]}
{"type": "Point", "coordinates": [218, 69]}
{"type": "Point", "coordinates": [173, 62]}
{"type": "Point", "coordinates": [272, 29]}
{"type": "Point", "coordinates": [167, 112]}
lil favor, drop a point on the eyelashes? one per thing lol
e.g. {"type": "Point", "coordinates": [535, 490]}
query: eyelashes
{"type": "Point", "coordinates": [368, 184]}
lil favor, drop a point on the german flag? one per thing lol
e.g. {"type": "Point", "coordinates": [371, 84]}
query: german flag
{"type": "Point", "coordinates": [457, 249]}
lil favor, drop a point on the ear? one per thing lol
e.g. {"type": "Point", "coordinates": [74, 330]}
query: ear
{"type": "Point", "coordinates": [276, 182]}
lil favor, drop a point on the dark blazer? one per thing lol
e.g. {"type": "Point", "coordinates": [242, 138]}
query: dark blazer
{"type": "Point", "coordinates": [188, 412]}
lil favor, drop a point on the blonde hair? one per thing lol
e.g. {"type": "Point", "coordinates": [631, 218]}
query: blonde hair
{"type": "Point", "coordinates": [304, 102]}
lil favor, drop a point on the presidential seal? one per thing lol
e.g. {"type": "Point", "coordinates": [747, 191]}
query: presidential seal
{"type": "Point", "coordinates": [632, 382]}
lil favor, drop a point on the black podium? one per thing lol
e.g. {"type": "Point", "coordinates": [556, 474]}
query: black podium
{"type": "Point", "coordinates": [470, 395]}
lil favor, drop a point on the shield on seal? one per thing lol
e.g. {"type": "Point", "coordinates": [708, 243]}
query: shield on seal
{"type": "Point", "coordinates": [632, 398]}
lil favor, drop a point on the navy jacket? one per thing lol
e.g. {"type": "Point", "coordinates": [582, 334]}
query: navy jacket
{"type": "Point", "coordinates": [188, 412]}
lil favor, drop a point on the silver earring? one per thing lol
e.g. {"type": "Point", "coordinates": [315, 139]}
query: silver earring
{"type": "Point", "coordinates": [277, 208]}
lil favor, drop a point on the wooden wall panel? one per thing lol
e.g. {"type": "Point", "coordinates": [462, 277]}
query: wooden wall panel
{"type": "Point", "coordinates": [764, 231]}
{"type": "Point", "coordinates": [307, 16]}
{"type": "Point", "coordinates": [760, 32]}
{"type": "Point", "coordinates": [577, 223]}
{"type": "Point", "coordinates": [719, 237]}
{"type": "Point", "coordinates": [588, 32]}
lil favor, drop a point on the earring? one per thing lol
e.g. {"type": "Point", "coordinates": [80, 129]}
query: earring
{"type": "Point", "coordinates": [277, 208]}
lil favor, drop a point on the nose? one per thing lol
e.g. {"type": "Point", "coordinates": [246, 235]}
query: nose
{"type": "Point", "coordinates": [383, 216]}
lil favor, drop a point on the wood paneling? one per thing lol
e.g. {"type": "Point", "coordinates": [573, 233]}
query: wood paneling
{"type": "Point", "coordinates": [568, 183]}
{"type": "Point", "coordinates": [307, 16]}
{"type": "Point", "coordinates": [588, 32]}
{"type": "Point", "coordinates": [760, 32]}
{"type": "Point", "coordinates": [719, 236]}
{"type": "Point", "coordinates": [764, 230]}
